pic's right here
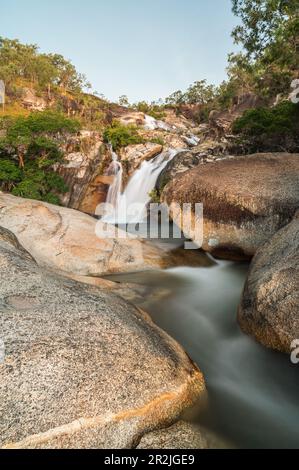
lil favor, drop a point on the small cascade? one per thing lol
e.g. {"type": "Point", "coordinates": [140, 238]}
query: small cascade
{"type": "Point", "coordinates": [152, 124]}
{"type": "Point", "coordinates": [192, 140]}
{"type": "Point", "coordinates": [130, 206]}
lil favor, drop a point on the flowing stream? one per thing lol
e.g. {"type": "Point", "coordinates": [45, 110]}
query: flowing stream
{"type": "Point", "coordinates": [252, 391]}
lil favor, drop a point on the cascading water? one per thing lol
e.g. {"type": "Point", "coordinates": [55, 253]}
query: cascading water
{"type": "Point", "coordinates": [152, 124]}
{"type": "Point", "coordinates": [114, 191]}
{"type": "Point", "coordinates": [130, 206]}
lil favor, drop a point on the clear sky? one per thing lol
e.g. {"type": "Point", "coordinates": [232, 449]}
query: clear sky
{"type": "Point", "coordinates": [145, 49]}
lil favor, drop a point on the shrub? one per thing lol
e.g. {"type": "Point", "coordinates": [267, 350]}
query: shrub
{"type": "Point", "coordinates": [44, 151]}
{"type": "Point", "coordinates": [39, 185]}
{"type": "Point", "coordinates": [119, 135]}
{"type": "Point", "coordinates": [269, 129]}
{"type": "Point", "coordinates": [47, 122]}
{"type": "Point", "coordinates": [283, 119]}
{"type": "Point", "coordinates": [9, 174]}
{"type": "Point", "coordinates": [155, 196]}
{"type": "Point", "coordinates": [158, 141]}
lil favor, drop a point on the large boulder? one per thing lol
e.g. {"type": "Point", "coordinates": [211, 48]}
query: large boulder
{"type": "Point", "coordinates": [81, 367]}
{"type": "Point", "coordinates": [269, 309]}
{"type": "Point", "coordinates": [185, 160]}
{"type": "Point", "coordinates": [70, 241]}
{"type": "Point", "coordinates": [245, 200]}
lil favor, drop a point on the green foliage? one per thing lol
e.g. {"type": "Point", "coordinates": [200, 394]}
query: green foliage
{"type": "Point", "coordinates": [24, 128]}
{"type": "Point", "coordinates": [9, 174]}
{"type": "Point", "coordinates": [176, 98]}
{"type": "Point", "coordinates": [119, 135]}
{"type": "Point", "coordinates": [198, 93]}
{"type": "Point", "coordinates": [38, 184]}
{"type": "Point", "coordinates": [154, 110]}
{"type": "Point", "coordinates": [24, 61]}
{"type": "Point", "coordinates": [123, 100]}
{"type": "Point", "coordinates": [269, 34]}
{"type": "Point", "coordinates": [283, 119]}
{"type": "Point", "coordinates": [158, 141]}
{"type": "Point", "coordinates": [269, 129]}
{"type": "Point", "coordinates": [44, 151]}
{"type": "Point", "coordinates": [28, 153]}
{"type": "Point", "coordinates": [155, 196]}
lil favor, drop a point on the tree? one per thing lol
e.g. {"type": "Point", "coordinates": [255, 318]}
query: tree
{"type": "Point", "coordinates": [28, 152]}
{"type": "Point", "coordinates": [269, 34]}
{"type": "Point", "coordinates": [175, 98]}
{"type": "Point", "coordinates": [24, 61]}
{"type": "Point", "coordinates": [200, 93]}
{"type": "Point", "coordinates": [268, 25]}
{"type": "Point", "coordinates": [123, 101]}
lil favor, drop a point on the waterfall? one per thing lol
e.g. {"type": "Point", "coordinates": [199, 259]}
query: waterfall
{"type": "Point", "coordinates": [192, 140]}
{"type": "Point", "coordinates": [130, 206]}
{"type": "Point", "coordinates": [114, 191]}
{"type": "Point", "coordinates": [151, 124]}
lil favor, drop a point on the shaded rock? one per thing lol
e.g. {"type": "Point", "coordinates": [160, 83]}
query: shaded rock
{"type": "Point", "coordinates": [269, 309]}
{"type": "Point", "coordinates": [181, 435]}
{"type": "Point", "coordinates": [82, 368]}
{"type": "Point", "coordinates": [73, 242]}
{"type": "Point", "coordinates": [84, 157]}
{"type": "Point", "coordinates": [187, 159]}
{"type": "Point", "coordinates": [245, 200]}
{"type": "Point", "coordinates": [220, 122]}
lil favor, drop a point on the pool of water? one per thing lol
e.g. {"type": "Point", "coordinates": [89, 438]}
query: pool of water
{"type": "Point", "coordinates": [253, 392]}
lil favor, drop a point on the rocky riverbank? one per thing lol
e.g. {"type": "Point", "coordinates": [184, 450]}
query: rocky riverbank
{"type": "Point", "coordinates": [82, 368]}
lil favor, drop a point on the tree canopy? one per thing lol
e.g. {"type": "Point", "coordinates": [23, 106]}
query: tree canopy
{"type": "Point", "coordinates": [24, 61]}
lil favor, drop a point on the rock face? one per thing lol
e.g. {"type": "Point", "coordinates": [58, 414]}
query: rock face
{"type": "Point", "coordinates": [245, 200]}
{"type": "Point", "coordinates": [133, 155]}
{"type": "Point", "coordinates": [220, 122]}
{"type": "Point", "coordinates": [82, 368]}
{"type": "Point", "coordinates": [33, 102]}
{"type": "Point", "coordinates": [188, 159]}
{"type": "Point", "coordinates": [72, 242]}
{"type": "Point", "coordinates": [269, 309]}
{"type": "Point", "coordinates": [181, 435]}
{"type": "Point", "coordinates": [83, 160]}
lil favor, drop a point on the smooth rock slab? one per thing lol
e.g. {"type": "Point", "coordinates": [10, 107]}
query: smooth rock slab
{"type": "Point", "coordinates": [269, 309]}
{"type": "Point", "coordinates": [72, 242]}
{"type": "Point", "coordinates": [82, 368]}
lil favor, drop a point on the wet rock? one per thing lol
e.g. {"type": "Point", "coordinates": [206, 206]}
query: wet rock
{"type": "Point", "coordinates": [269, 309]}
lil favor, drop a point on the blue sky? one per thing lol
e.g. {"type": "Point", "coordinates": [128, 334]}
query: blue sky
{"type": "Point", "coordinates": [145, 49]}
